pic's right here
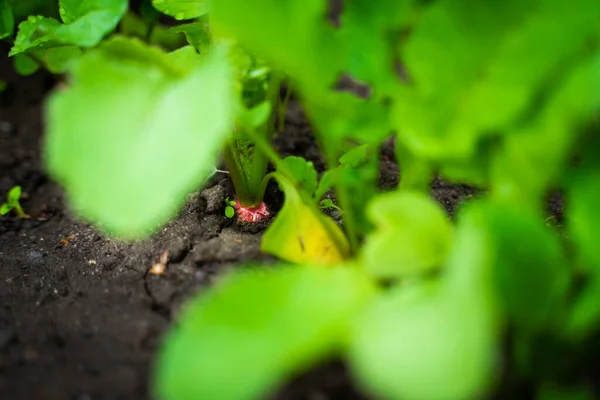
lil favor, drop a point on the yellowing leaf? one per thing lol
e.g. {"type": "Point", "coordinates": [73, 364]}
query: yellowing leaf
{"type": "Point", "coordinates": [301, 234]}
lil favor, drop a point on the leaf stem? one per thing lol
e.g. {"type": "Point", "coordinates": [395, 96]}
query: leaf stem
{"type": "Point", "coordinates": [260, 161]}
{"type": "Point", "coordinates": [236, 172]}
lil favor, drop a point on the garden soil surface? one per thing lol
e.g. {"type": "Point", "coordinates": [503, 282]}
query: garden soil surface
{"type": "Point", "coordinates": [80, 314]}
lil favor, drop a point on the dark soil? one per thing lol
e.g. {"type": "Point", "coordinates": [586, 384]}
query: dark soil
{"type": "Point", "coordinates": [80, 316]}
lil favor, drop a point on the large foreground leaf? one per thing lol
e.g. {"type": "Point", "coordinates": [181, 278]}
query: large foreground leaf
{"type": "Point", "coordinates": [434, 340]}
{"type": "Point", "coordinates": [136, 132]}
{"type": "Point", "coordinates": [256, 328]}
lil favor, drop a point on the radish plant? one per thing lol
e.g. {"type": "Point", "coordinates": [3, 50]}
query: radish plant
{"type": "Point", "coordinates": [488, 94]}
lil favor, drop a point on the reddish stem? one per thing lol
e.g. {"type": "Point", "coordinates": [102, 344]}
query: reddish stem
{"type": "Point", "coordinates": [251, 214]}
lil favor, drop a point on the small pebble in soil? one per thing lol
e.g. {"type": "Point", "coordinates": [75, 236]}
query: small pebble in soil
{"type": "Point", "coordinates": [214, 197]}
{"type": "Point", "coordinates": [36, 257]}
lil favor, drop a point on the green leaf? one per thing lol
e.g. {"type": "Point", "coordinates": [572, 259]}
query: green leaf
{"type": "Point", "coordinates": [5, 208]}
{"type": "Point", "coordinates": [7, 19]}
{"type": "Point", "coordinates": [182, 9]}
{"type": "Point", "coordinates": [434, 339]}
{"type": "Point", "coordinates": [583, 216]}
{"type": "Point", "coordinates": [328, 179]}
{"type": "Point", "coordinates": [256, 116]}
{"type": "Point", "coordinates": [86, 22]}
{"type": "Point", "coordinates": [412, 235]}
{"type": "Point", "coordinates": [377, 29]}
{"type": "Point", "coordinates": [34, 32]}
{"type": "Point", "coordinates": [524, 170]}
{"type": "Point", "coordinates": [196, 33]}
{"type": "Point", "coordinates": [229, 212]}
{"type": "Point", "coordinates": [300, 233]}
{"type": "Point", "coordinates": [500, 66]}
{"type": "Point", "coordinates": [256, 328]}
{"type": "Point", "coordinates": [25, 65]}
{"type": "Point", "coordinates": [271, 28]}
{"type": "Point", "coordinates": [304, 172]}
{"type": "Point", "coordinates": [417, 343]}
{"type": "Point", "coordinates": [530, 269]}
{"type": "Point", "coordinates": [153, 131]}
{"type": "Point", "coordinates": [133, 25]}
{"type": "Point", "coordinates": [584, 314]}
{"type": "Point", "coordinates": [14, 195]}
{"type": "Point", "coordinates": [58, 59]}
{"type": "Point", "coordinates": [355, 156]}
{"type": "Point", "coordinates": [328, 203]}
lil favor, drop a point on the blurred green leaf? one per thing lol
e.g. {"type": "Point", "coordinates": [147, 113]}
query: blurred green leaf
{"type": "Point", "coordinates": [496, 63]}
{"type": "Point", "coordinates": [196, 33]}
{"type": "Point", "coordinates": [379, 30]}
{"type": "Point", "coordinates": [533, 155]}
{"type": "Point", "coordinates": [157, 34]}
{"type": "Point", "coordinates": [435, 339]}
{"type": "Point", "coordinates": [304, 172]}
{"type": "Point", "coordinates": [7, 19]}
{"type": "Point", "coordinates": [86, 22]}
{"type": "Point", "coordinates": [153, 132]}
{"type": "Point", "coordinates": [271, 28]}
{"type": "Point", "coordinates": [256, 328]}
{"type": "Point", "coordinates": [584, 314]}
{"type": "Point", "coordinates": [583, 218]}
{"type": "Point", "coordinates": [182, 9]}
{"type": "Point", "coordinates": [355, 156]}
{"type": "Point", "coordinates": [58, 59]}
{"type": "Point", "coordinates": [256, 116]}
{"type": "Point", "coordinates": [25, 65]}
{"type": "Point", "coordinates": [417, 343]}
{"type": "Point", "coordinates": [530, 269]}
{"type": "Point", "coordinates": [412, 235]}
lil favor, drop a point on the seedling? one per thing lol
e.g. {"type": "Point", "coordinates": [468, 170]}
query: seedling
{"type": "Point", "coordinates": [328, 203]}
{"type": "Point", "coordinates": [12, 203]}
{"type": "Point", "coordinates": [229, 208]}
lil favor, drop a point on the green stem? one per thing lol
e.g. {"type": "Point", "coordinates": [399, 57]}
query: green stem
{"type": "Point", "coordinates": [343, 197]}
{"type": "Point", "coordinates": [19, 210]}
{"type": "Point", "coordinates": [260, 162]}
{"type": "Point", "coordinates": [236, 172]}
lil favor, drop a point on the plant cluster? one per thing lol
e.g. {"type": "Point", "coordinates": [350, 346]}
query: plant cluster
{"type": "Point", "coordinates": [504, 96]}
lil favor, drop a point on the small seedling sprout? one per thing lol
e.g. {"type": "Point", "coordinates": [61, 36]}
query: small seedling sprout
{"type": "Point", "coordinates": [328, 203]}
{"type": "Point", "coordinates": [229, 210]}
{"type": "Point", "coordinates": [12, 203]}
